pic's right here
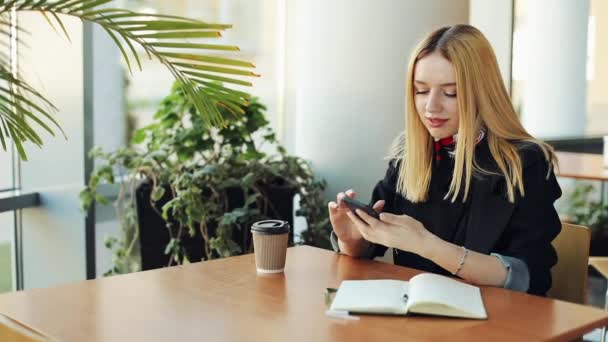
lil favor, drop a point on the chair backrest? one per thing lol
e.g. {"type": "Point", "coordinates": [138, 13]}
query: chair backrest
{"type": "Point", "coordinates": [570, 273]}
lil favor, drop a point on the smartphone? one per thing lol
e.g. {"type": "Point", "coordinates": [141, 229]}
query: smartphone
{"type": "Point", "coordinates": [353, 205]}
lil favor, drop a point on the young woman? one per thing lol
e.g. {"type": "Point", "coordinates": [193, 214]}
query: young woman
{"type": "Point", "coordinates": [468, 191]}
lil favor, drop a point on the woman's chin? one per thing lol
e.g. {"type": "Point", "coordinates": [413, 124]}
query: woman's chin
{"type": "Point", "coordinates": [438, 134]}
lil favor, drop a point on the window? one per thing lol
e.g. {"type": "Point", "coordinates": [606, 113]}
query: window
{"type": "Point", "coordinates": [258, 31]}
{"type": "Point", "coordinates": [7, 248]}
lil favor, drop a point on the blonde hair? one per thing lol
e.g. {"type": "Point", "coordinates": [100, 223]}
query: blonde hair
{"type": "Point", "coordinates": [483, 103]}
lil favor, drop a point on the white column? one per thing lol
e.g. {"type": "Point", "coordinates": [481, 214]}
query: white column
{"type": "Point", "coordinates": [553, 63]}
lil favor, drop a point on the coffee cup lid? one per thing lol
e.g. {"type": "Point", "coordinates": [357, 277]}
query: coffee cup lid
{"type": "Point", "coordinates": [271, 227]}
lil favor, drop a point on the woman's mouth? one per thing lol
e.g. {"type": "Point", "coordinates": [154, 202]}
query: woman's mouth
{"type": "Point", "coordinates": [436, 123]}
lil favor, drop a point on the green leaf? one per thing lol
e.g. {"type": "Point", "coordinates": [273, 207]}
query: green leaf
{"type": "Point", "coordinates": [216, 69]}
{"type": "Point", "coordinates": [218, 78]}
{"type": "Point", "coordinates": [171, 246]}
{"type": "Point", "coordinates": [88, 4]}
{"type": "Point", "coordinates": [157, 193]}
{"type": "Point", "coordinates": [102, 200]}
{"type": "Point", "coordinates": [181, 35]}
{"type": "Point", "coordinates": [121, 48]}
{"type": "Point", "coordinates": [65, 31]}
{"type": "Point", "coordinates": [249, 179]}
{"type": "Point", "coordinates": [86, 199]}
{"type": "Point", "coordinates": [208, 59]}
{"type": "Point", "coordinates": [17, 139]}
{"type": "Point", "coordinates": [167, 25]}
{"type": "Point", "coordinates": [139, 136]}
{"type": "Point", "coordinates": [194, 46]}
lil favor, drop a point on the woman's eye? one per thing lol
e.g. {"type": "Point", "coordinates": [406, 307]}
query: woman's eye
{"type": "Point", "coordinates": [450, 94]}
{"type": "Point", "coordinates": [418, 92]}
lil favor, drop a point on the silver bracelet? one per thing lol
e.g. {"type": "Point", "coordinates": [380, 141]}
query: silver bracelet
{"type": "Point", "coordinates": [462, 260]}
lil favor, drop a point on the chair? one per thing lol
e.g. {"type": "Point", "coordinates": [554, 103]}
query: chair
{"type": "Point", "coordinates": [13, 330]}
{"type": "Point", "coordinates": [601, 265]}
{"type": "Point", "coordinates": [570, 273]}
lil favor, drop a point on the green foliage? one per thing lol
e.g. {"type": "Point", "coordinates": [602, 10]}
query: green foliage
{"type": "Point", "coordinates": [585, 211]}
{"type": "Point", "coordinates": [24, 110]}
{"type": "Point", "coordinates": [198, 163]}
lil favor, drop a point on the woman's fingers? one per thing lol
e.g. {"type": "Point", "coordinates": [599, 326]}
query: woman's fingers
{"type": "Point", "coordinates": [350, 193]}
{"type": "Point", "coordinates": [340, 196]}
{"type": "Point", "coordinates": [365, 217]}
{"type": "Point", "coordinates": [378, 206]}
{"type": "Point", "coordinates": [333, 206]}
{"type": "Point", "coordinates": [359, 224]}
{"type": "Point", "coordinates": [402, 220]}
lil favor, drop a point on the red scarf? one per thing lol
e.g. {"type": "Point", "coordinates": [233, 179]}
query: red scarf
{"type": "Point", "coordinates": [450, 143]}
{"type": "Point", "coordinates": [442, 142]}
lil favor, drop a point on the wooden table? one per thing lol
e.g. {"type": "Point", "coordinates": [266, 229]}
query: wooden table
{"type": "Point", "coordinates": [224, 300]}
{"type": "Point", "coordinates": [600, 264]}
{"type": "Point", "coordinates": [581, 166]}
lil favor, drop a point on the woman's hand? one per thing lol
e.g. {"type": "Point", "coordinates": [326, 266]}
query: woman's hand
{"type": "Point", "coordinates": [397, 231]}
{"type": "Point", "coordinates": [344, 228]}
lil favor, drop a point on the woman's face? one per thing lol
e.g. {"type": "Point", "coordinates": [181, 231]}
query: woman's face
{"type": "Point", "coordinates": [435, 95]}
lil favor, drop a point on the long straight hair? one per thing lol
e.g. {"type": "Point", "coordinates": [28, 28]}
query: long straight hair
{"type": "Point", "coordinates": [483, 103]}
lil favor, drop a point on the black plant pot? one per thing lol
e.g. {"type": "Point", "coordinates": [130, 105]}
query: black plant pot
{"type": "Point", "coordinates": [154, 236]}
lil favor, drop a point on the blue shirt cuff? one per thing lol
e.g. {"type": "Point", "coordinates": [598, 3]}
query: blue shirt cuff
{"type": "Point", "coordinates": [518, 276]}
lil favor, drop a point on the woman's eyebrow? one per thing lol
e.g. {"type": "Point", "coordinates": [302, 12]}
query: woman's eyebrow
{"type": "Point", "coordinates": [442, 84]}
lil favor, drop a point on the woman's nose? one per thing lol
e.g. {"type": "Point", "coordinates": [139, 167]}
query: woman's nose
{"type": "Point", "coordinates": [433, 103]}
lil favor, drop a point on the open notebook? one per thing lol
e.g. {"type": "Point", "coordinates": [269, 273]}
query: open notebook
{"type": "Point", "coordinates": [425, 293]}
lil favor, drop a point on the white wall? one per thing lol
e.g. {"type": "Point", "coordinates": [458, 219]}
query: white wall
{"type": "Point", "coordinates": [495, 19]}
{"type": "Point", "coordinates": [345, 68]}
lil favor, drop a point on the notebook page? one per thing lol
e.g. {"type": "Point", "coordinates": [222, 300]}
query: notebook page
{"type": "Point", "coordinates": [371, 296]}
{"type": "Point", "coordinates": [432, 288]}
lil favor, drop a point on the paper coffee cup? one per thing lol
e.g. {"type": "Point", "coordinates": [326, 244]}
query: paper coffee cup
{"type": "Point", "coordinates": [270, 240]}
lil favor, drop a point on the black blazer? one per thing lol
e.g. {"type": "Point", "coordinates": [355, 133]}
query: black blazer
{"type": "Point", "coordinates": [492, 224]}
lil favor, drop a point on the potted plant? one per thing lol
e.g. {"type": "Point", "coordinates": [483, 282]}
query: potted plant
{"type": "Point", "coordinates": [590, 213]}
{"type": "Point", "coordinates": [24, 110]}
{"type": "Point", "coordinates": [190, 191]}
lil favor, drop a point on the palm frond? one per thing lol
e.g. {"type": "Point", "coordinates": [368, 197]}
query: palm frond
{"type": "Point", "coordinates": [20, 102]}
{"type": "Point", "coordinates": [164, 37]}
